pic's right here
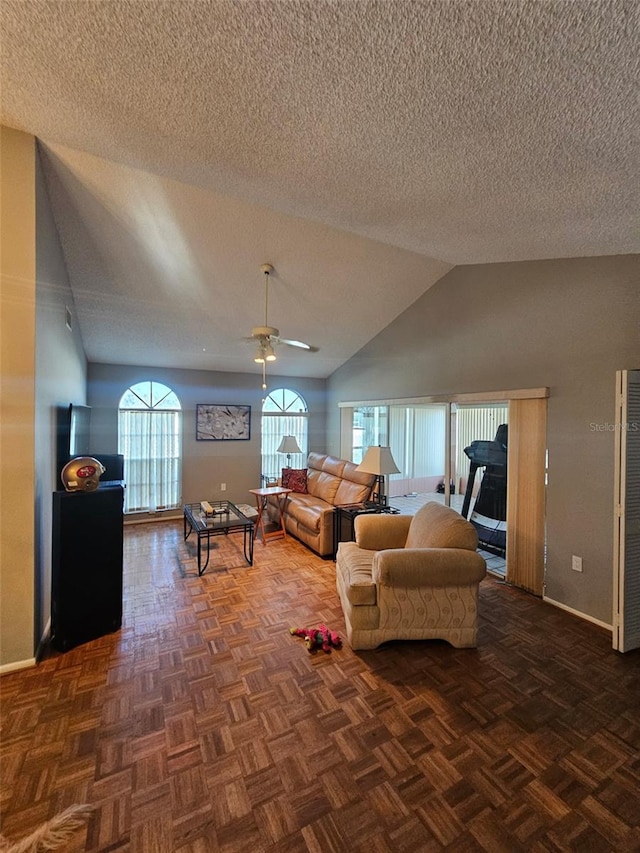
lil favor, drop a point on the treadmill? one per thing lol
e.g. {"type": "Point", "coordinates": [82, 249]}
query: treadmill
{"type": "Point", "coordinates": [489, 515]}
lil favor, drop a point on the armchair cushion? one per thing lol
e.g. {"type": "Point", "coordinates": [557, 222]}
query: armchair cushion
{"type": "Point", "coordinates": [415, 567]}
{"type": "Point", "coordinates": [437, 526]}
{"type": "Point", "coordinates": [375, 532]}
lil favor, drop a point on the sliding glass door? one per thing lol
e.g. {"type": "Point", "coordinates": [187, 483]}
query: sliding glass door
{"type": "Point", "coordinates": [461, 451]}
{"type": "Point", "coordinates": [416, 436]}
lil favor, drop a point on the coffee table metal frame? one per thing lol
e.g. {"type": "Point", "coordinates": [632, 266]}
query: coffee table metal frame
{"type": "Point", "coordinates": [229, 520]}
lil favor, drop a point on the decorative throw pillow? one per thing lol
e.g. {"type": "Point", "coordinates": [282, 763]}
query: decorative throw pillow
{"type": "Point", "coordinates": [295, 479]}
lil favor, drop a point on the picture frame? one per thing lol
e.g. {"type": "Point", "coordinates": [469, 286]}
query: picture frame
{"type": "Point", "coordinates": [216, 422]}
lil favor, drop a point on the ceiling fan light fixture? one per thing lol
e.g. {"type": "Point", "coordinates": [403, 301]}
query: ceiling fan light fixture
{"type": "Point", "coordinates": [268, 336]}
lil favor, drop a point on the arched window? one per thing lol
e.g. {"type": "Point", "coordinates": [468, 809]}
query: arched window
{"type": "Point", "coordinates": [149, 437]}
{"type": "Point", "coordinates": [284, 412]}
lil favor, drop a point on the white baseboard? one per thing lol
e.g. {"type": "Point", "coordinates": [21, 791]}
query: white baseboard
{"type": "Point", "coordinates": [578, 613]}
{"type": "Point", "coordinates": [16, 665]}
{"type": "Point", "coordinates": [26, 664]}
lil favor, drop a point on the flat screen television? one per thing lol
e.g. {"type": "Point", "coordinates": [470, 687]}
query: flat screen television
{"type": "Point", "coordinates": [79, 430]}
{"type": "Point", "coordinates": [73, 433]}
{"type": "Point", "coordinates": [74, 439]}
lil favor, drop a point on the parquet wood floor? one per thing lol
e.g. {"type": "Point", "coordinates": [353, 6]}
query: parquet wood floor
{"type": "Point", "coordinates": [204, 726]}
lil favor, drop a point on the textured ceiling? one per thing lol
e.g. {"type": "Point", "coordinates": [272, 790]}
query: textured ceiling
{"type": "Point", "coordinates": [361, 147]}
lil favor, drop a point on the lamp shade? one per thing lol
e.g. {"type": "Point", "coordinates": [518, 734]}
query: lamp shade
{"type": "Point", "coordinates": [378, 460]}
{"type": "Point", "coordinates": [288, 445]}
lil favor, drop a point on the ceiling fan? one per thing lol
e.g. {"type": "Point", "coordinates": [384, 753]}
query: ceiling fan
{"type": "Point", "coordinates": [268, 336]}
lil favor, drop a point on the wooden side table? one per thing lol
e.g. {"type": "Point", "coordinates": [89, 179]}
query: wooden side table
{"type": "Point", "coordinates": [262, 496]}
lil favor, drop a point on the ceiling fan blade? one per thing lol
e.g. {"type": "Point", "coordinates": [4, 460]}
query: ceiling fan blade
{"type": "Point", "coordinates": [298, 344]}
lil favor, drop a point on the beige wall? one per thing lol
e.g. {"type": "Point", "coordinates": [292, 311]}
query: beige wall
{"type": "Point", "coordinates": [42, 366]}
{"type": "Point", "coordinates": [17, 395]}
{"type": "Point", "coordinates": [61, 378]}
{"type": "Point", "coordinates": [566, 324]}
{"type": "Point", "coordinates": [205, 464]}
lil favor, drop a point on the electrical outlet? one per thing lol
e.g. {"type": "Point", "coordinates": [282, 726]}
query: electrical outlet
{"type": "Point", "coordinates": [223, 488]}
{"type": "Point", "coordinates": [576, 563]}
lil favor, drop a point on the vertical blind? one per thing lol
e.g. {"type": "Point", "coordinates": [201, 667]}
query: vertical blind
{"type": "Point", "coordinates": [417, 440]}
{"type": "Point", "coordinates": [475, 423]}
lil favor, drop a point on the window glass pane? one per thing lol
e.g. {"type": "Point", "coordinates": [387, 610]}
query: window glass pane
{"type": "Point", "coordinates": [284, 400]}
{"type": "Point", "coordinates": [370, 427]}
{"type": "Point", "coordinates": [150, 441]}
{"type": "Point", "coordinates": [137, 397]}
{"type": "Point", "coordinates": [165, 401]}
{"type": "Point", "coordinates": [284, 412]}
{"type": "Point", "coordinates": [149, 395]}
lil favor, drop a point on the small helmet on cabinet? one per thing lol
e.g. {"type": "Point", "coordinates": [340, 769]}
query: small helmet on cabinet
{"type": "Point", "coordinates": [82, 474]}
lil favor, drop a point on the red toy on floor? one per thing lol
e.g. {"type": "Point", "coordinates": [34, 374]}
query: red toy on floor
{"type": "Point", "coordinates": [318, 638]}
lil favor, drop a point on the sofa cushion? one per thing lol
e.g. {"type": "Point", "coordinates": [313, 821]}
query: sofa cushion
{"type": "Point", "coordinates": [355, 486]}
{"type": "Point", "coordinates": [295, 479]}
{"type": "Point", "coordinates": [322, 462]}
{"type": "Point", "coordinates": [307, 510]}
{"type": "Point", "coordinates": [322, 485]}
{"type": "Point", "coordinates": [354, 566]}
{"type": "Point", "coordinates": [438, 526]}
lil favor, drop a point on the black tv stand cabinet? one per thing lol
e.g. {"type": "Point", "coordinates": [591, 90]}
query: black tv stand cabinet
{"type": "Point", "coordinates": [86, 570]}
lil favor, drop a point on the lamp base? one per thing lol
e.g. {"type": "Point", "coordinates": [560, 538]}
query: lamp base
{"type": "Point", "coordinates": [379, 497]}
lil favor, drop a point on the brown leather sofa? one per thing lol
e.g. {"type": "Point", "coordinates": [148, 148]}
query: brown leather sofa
{"type": "Point", "coordinates": [330, 482]}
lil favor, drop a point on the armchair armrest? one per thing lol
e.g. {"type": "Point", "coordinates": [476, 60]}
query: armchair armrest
{"type": "Point", "coordinates": [379, 531]}
{"type": "Point", "coordinates": [419, 567]}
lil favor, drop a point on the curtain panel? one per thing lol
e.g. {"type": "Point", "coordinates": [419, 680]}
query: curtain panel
{"type": "Point", "coordinates": [274, 427]}
{"type": "Point", "coordinates": [150, 443]}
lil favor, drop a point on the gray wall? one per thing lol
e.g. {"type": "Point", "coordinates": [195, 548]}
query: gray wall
{"type": "Point", "coordinates": [61, 376]}
{"type": "Point", "coordinates": [206, 464]}
{"type": "Point", "coordinates": [566, 324]}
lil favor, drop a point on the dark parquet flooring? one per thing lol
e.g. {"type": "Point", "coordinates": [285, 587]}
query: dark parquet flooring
{"type": "Point", "coordinates": [204, 726]}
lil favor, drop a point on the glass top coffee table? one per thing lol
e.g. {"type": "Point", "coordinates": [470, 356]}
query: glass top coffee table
{"type": "Point", "coordinates": [216, 518]}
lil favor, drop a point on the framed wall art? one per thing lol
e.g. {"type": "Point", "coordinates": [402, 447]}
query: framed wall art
{"type": "Point", "coordinates": [222, 423]}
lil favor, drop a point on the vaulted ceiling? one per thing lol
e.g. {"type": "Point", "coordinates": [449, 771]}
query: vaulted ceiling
{"type": "Point", "coordinates": [362, 147]}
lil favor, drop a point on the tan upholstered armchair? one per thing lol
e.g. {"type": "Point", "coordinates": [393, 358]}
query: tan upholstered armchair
{"type": "Point", "coordinates": [411, 578]}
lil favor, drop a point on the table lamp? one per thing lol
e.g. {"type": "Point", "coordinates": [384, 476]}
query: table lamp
{"type": "Point", "coordinates": [379, 461]}
{"type": "Point", "coordinates": [288, 445]}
